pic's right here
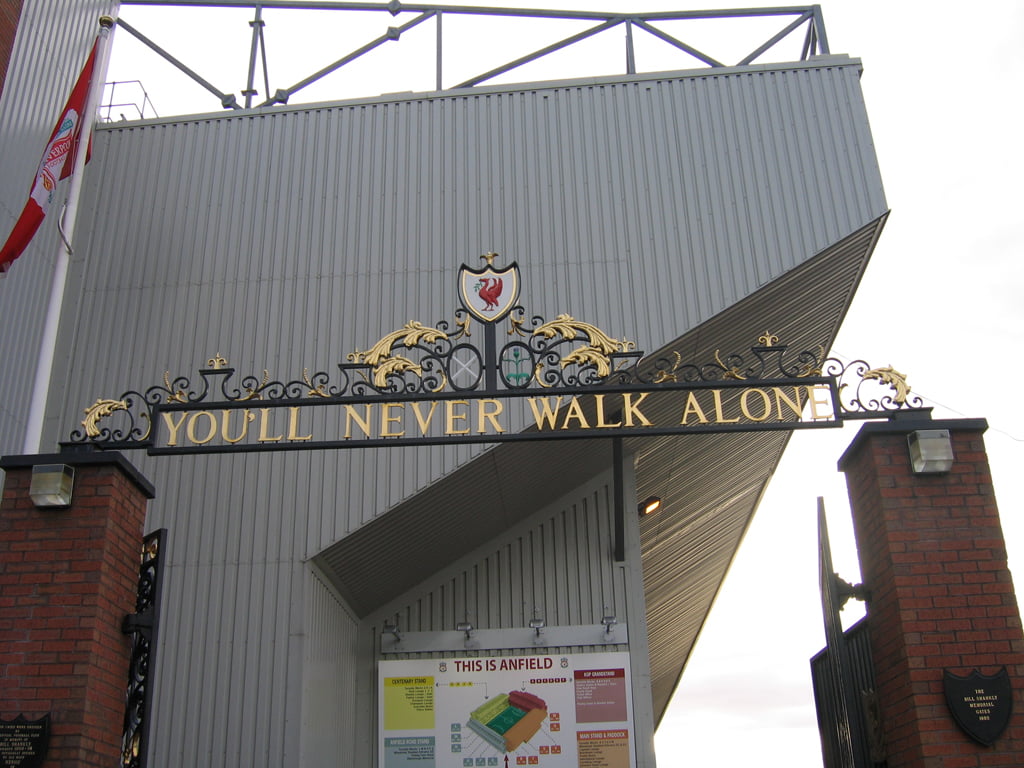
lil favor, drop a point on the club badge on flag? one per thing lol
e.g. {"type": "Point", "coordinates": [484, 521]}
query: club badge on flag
{"type": "Point", "coordinates": [57, 163]}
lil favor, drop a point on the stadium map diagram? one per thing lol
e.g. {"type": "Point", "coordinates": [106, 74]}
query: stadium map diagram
{"type": "Point", "coordinates": [568, 711]}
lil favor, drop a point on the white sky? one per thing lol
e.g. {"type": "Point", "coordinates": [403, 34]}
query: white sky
{"type": "Point", "coordinates": [940, 302]}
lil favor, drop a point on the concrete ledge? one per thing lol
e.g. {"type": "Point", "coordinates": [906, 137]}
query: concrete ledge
{"type": "Point", "coordinates": [904, 427]}
{"type": "Point", "coordinates": [83, 459]}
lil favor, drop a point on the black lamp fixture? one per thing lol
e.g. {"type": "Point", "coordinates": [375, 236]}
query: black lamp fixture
{"type": "Point", "coordinates": [649, 506]}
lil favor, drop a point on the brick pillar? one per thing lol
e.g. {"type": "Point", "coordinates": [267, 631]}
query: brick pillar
{"type": "Point", "coordinates": [932, 555]}
{"type": "Point", "coordinates": [10, 14]}
{"type": "Point", "coordinates": [67, 579]}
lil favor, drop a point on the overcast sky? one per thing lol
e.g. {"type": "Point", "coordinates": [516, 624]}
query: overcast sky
{"type": "Point", "coordinates": [940, 301]}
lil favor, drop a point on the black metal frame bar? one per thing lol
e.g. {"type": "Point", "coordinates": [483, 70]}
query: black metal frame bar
{"type": "Point", "coordinates": [852, 389]}
{"type": "Point", "coordinates": [815, 40]}
{"type": "Point", "coordinates": [143, 626]}
{"type": "Point", "coordinates": [227, 100]}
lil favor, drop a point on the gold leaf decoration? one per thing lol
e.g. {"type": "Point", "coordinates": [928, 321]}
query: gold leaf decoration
{"type": "Point", "coordinates": [812, 369]}
{"type": "Point", "coordinates": [379, 355]}
{"type": "Point", "coordinates": [597, 350]}
{"type": "Point", "coordinates": [98, 410]}
{"type": "Point", "coordinates": [178, 396]}
{"type": "Point", "coordinates": [670, 375]}
{"type": "Point", "coordinates": [589, 356]}
{"type": "Point", "coordinates": [730, 373]}
{"type": "Point", "coordinates": [463, 326]}
{"type": "Point", "coordinates": [410, 334]}
{"type": "Point", "coordinates": [314, 391]}
{"type": "Point", "coordinates": [396, 364]}
{"type": "Point", "coordinates": [892, 377]}
{"type": "Point", "coordinates": [516, 326]}
{"type": "Point", "coordinates": [254, 392]}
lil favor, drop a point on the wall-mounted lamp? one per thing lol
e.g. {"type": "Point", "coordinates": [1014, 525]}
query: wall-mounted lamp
{"type": "Point", "coordinates": [608, 622]}
{"type": "Point", "coordinates": [537, 625]}
{"type": "Point", "coordinates": [391, 629]}
{"type": "Point", "coordinates": [51, 485]}
{"type": "Point", "coordinates": [465, 626]}
{"type": "Point", "coordinates": [648, 506]}
{"type": "Point", "coordinates": [931, 450]}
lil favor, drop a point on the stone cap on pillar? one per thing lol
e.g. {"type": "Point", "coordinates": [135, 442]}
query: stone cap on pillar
{"type": "Point", "coordinates": [83, 459]}
{"type": "Point", "coordinates": [900, 426]}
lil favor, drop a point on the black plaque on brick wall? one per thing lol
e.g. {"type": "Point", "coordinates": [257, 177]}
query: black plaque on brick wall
{"type": "Point", "coordinates": [23, 742]}
{"type": "Point", "coordinates": [980, 704]}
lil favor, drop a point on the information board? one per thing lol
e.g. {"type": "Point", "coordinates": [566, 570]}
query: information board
{"type": "Point", "coordinates": [569, 711]}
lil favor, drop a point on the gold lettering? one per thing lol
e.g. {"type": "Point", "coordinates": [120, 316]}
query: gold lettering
{"type": "Point", "coordinates": [172, 428]}
{"type": "Point", "coordinates": [225, 417]}
{"type": "Point", "coordinates": [363, 423]}
{"type": "Point", "coordinates": [766, 403]}
{"type": "Point", "coordinates": [574, 411]}
{"type": "Point", "coordinates": [693, 407]}
{"type": "Point", "coordinates": [264, 423]}
{"type": "Point", "coordinates": [293, 425]}
{"type": "Point", "coordinates": [386, 419]}
{"type": "Point", "coordinates": [600, 414]}
{"type": "Point", "coordinates": [781, 397]}
{"type": "Point", "coordinates": [634, 408]}
{"type": "Point", "coordinates": [192, 428]}
{"type": "Point", "coordinates": [546, 414]}
{"type": "Point", "coordinates": [451, 416]}
{"type": "Point", "coordinates": [815, 414]}
{"type": "Point", "coordinates": [424, 423]}
{"type": "Point", "coordinates": [483, 414]}
{"type": "Point", "coordinates": [719, 416]}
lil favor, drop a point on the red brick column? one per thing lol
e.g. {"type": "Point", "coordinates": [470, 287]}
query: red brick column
{"type": "Point", "coordinates": [67, 579]}
{"type": "Point", "coordinates": [10, 13]}
{"type": "Point", "coordinates": [932, 555]}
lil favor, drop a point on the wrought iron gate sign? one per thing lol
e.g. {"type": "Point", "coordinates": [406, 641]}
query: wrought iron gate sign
{"type": "Point", "coordinates": [557, 379]}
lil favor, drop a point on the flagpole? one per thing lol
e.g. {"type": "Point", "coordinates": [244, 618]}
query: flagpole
{"type": "Point", "coordinates": [48, 344]}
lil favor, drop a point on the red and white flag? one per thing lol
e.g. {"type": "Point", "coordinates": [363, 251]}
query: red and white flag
{"type": "Point", "coordinates": [57, 163]}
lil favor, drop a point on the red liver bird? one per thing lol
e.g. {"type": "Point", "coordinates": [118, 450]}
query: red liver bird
{"type": "Point", "coordinates": [490, 290]}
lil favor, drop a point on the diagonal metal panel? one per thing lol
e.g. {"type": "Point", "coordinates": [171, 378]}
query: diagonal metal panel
{"type": "Point", "coordinates": [710, 484]}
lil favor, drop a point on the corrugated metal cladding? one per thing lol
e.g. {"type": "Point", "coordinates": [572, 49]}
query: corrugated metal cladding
{"type": "Point", "coordinates": [286, 239]}
{"type": "Point", "coordinates": [555, 565]}
{"type": "Point", "coordinates": [331, 699]}
{"type": "Point", "coordinates": [50, 48]}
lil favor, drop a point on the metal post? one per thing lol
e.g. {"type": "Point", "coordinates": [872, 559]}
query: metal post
{"type": "Point", "coordinates": [620, 503]}
{"type": "Point", "coordinates": [66, 226]}
{"type": "Point", "coordinates": [439, 49]}
{"type": "Point", "coordinates": [630, 55]}
{"type": "Point", "coordinates": [256, 25]}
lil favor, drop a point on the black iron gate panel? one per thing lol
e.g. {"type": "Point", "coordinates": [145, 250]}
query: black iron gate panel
{"type": "Point", "coordinates": [142, 626]}
{"type": "Point", "coordinates": [827, 694]}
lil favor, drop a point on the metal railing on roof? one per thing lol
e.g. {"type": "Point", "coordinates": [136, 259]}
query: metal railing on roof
{"type": "Point", "coordinates": [117, 105]}
{"type": "Point", "coordinates": [795, 21]}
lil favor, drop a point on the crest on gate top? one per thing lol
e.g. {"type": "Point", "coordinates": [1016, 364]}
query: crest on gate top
{"type": "Point", "coordinates": [489, 294]}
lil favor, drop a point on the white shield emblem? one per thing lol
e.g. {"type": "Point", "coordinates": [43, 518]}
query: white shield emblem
{"type": "Point", "coordinates": [488, 294]}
